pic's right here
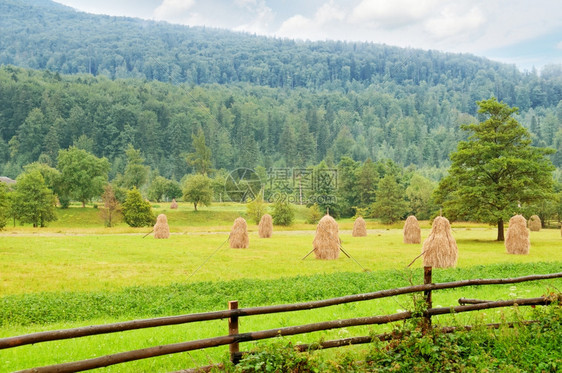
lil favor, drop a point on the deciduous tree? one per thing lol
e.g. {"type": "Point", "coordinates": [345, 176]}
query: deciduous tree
{"type": "Point", "coordinates": [198, 190]}
{"type": "Point", "coordinates": [83, 174]}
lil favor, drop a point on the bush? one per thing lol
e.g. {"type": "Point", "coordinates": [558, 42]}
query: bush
{"type": "Point", "coordinates": [256, 209]}
{"type": "Point", "coordinates": [283, 213]}
{"type": "Point", "coordinates": [277, 356]}
{"type": "Point", "coordinates": [313, 214]}
{"type": "Point", "coordinates": [136, 211]}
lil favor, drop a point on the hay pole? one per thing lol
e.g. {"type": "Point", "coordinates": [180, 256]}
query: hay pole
{"type": "Point", "coordinates": [208, 258]}
{"type": "Point", "coordinates": [342, 250]}
{"type": "Point", "coordinates": [148, 233]}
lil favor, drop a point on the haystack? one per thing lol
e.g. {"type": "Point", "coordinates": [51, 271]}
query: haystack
{"type": "Point", "coordinates": [174, 204]}
{"type": "Point", "coordinates": [265, 227]}
{"type": "Point", "coordinates": [412, 231]}
{"type": "Point", "coordinates": [517, 237]}
{"type": "Point", "coordinates": [161, 228]}
{"type": "Point", "coordinates": [326, 242]}
{"type": "Point", "coordinates": [440, 248]}
{"type": "Point", "coordinates": [534, 223]}
{"type": "Point", "coordinates": [359, 228]}
{"type": "Point", "coordinates": [239, 235]}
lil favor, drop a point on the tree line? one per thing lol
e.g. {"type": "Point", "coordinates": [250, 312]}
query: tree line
{"type": "Point", "coordinates": [245, 126]}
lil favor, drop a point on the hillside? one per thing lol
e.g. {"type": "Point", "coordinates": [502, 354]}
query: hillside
{"type": "Point", "coordinates": [260, 101]}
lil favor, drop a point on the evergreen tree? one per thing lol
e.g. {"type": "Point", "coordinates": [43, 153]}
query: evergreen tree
{"type": "Point", "coordinates": [200, 159]}
{"type": "Point", "coordinates": [136, 211]}
{"type": "Point", "coordinates": [390, 205]}
{"type": "Point", "coordinates": [496, 170]}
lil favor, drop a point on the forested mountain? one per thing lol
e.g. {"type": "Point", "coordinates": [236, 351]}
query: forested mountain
{"type": "Point", "coordinates": [260, 101]}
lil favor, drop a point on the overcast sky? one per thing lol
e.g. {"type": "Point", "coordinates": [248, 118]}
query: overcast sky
{"type": "Point", "coordinates": [522, 32]}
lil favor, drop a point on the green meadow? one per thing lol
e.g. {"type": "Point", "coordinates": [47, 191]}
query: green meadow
{"type": "Point", "coordinates": [77, 273]}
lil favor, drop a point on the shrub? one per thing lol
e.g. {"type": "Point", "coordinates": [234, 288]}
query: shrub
{"type": "Point", "coordinates": [256, 209]}
{"type": "Point", "coordinates": [136, 211]}
{"type": "Point", "coordinates": [313, 214]}
{"type": "Point", "coordinates": [283, 213]}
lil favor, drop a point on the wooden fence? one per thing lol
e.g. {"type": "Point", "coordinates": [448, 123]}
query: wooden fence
{"type": "Point", "coordinates": [234, 313]}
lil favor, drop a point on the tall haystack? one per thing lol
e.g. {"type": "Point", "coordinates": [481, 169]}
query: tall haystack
{"type": "Point", "coordinates": [326, 242]}
{"type": "Point", "coordinates": [359, 228]}
{"type": "Point", "coordinates": [161, 228]}
{"type": "Point", "coordinates": [265, 227]}
{"type": "Point", "coordinates": [517, 237]}
{"type": "Point", "coordinates": [440, 248]}
{"type": "Point", "coordinates": [174, 204]}
{"type": "Point", "coordinates": [239, 235]}
{"type": "Point", "coordinates": [412, 231]}
{"type": "Point", "coordinates": [534, 223]}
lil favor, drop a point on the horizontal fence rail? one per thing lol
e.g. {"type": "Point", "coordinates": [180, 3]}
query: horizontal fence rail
{"type": "Point", "coordinates": [220, 315]}
{"type": "Point", "coordinates": [233, 314]}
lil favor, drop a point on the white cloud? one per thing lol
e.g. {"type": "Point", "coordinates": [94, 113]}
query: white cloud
{"type": "Point", "coordinates": [455, 22]}
{"type": "Point", "coordinates": [327, 20]}
{"type": "Point", "coordinates": [391, 14]}
{"type": "Point", "coordinates": [559, 45]}
{"type": "Point", "coordinates": [173, 9]}
{"type": "Point", "coordinates": [259, 14]}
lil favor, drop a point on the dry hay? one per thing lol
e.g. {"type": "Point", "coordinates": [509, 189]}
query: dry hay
{"type": "Point", "coordinates": [326, 242]}
{"type": "Point", "coordinates": [265, 227]}
{"type": "Point", "coordinates": [174, 204]}
{"type": "Point", "coordinates": [359, 228]}
{"type": "Point", "coordinates": [440, 248]}
{"type": "Point", "coordinates": [239, 235]}
{"type": "Point", "coordinates": [412, 231]}
{"type": "Point", "coordinates": [517, 237]}
{"type": "Point", "coordinates": [161, 228]}
{"type": "Point", "coordinates": [534, 223]}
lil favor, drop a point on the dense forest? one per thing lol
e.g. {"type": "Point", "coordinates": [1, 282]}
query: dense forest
{"type": "Point", "coordinates": [102, 83]}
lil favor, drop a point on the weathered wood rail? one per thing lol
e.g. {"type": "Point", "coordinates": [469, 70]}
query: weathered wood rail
{"type": "Point", "coordinates": [234, 313]}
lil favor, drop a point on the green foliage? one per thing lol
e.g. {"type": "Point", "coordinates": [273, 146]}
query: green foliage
{"type": "Point", "coordinates": [276, 356]}
{"type": "Point", "coordinates": [83, 175]}
{"type": "Point", "coordinates": [136, 211]}
{"type": "Point", "coordinates": [390, 205]}
{"type": "Point", "coordinates": [256, 209]}
{"type": "Point", "coordinates": [161, 188]}
{"type": "Point", "coordinates": [314, 214]}
{"type": "Point", "coordinates": [200, 159]}
{"type": "Point", "coordinates": [136, 173]}
{"type": "Point", "coordinates": [197, 189]}
{"type": "Point", "coordinates": [496, 170]}
{"type": "Point", "coordinates": [283, 213]}
{"type": "Point", "coordinates": [4, 205]}
{"type": "Point", "coordinates": [523, 348]}
{"type": "Point", "coordinates": [419, 193]}
{"type": "Point", "coordinates": [32, 201]}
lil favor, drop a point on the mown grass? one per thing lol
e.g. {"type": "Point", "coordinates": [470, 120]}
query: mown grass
{"type": "Point", "coordinates": [66, 277]}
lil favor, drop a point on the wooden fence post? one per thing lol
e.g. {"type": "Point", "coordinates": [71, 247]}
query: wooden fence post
{"type": "Point", "coordinates": [427, 295]}
{"type": "Point", "coordinates": [232, 330]}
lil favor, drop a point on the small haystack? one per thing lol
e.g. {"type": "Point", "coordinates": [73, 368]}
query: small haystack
{"type": "Point", "coordinates": [517, 237]}
{"type": "Point", "coordinates": [440, 248]}
{"type": "Point", "coordinates": [326, 242]}
{"type": "Point", "coordinates": [239, 235]}
{"type": "Point", "coordinates": [265, 227]}
{"type": "Point", "coordinates": [534, 223]}
{"type": "Point", "coordinates": [412, 231]}
{"type": "Point", "coordinates": [359, 228]}
{"type": "Point", "coordinates": [174, 204]}
{"type": "Point", "coordinates": [161, 228]}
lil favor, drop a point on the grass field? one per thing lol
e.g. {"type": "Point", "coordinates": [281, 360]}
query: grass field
{"type": "Point", "coordinates": [76, 273]}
